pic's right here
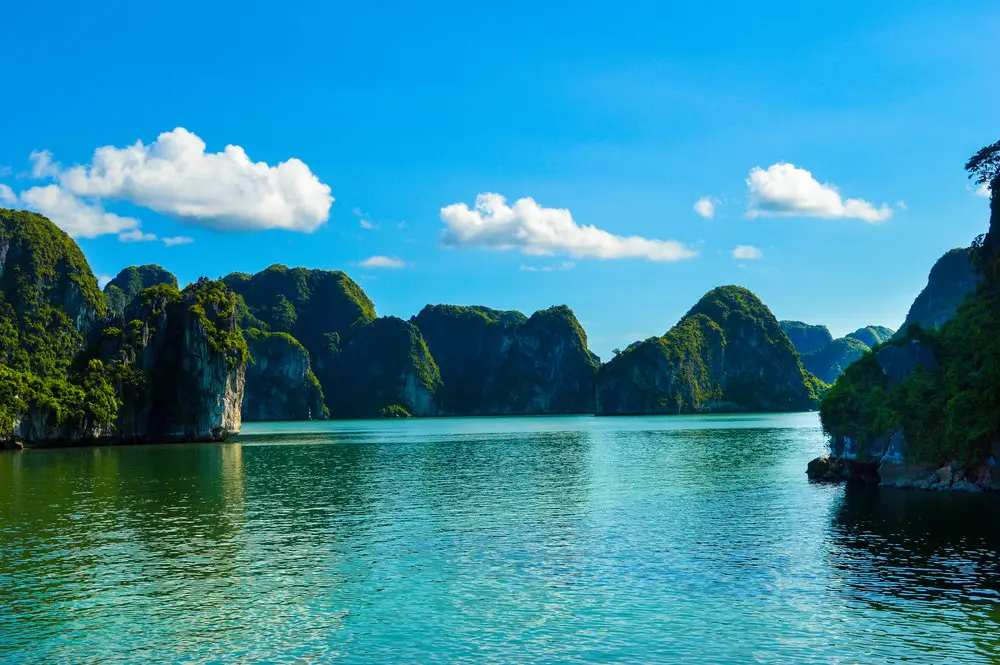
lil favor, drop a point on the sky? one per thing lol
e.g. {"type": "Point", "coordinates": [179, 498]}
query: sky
{"type": "Point", "coordinates": [622, 159]}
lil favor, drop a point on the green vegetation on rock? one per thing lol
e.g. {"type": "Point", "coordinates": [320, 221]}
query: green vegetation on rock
{"type": "Point", "coordinates": [872, 336]}
{"type": "Point", "coordinates": [280, 383]}
{"type": "Point", "coordinates": [940, 388]}
{"type": "Point", "coordinates": [806, 338]}
{"type": "Point", "coordinates": [830, 362]}
{"type": "Point", "coordinates": [502, 362]}
{"type": "Point", "coordinates": [123, 289]}
{"type": "Point", "coordinates": [383, 363]}
{"type": "Point", "coordinates": [728, 353]}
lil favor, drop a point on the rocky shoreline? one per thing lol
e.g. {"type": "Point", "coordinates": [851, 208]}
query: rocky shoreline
{"type": "Point", "coordinates": [982, 477]}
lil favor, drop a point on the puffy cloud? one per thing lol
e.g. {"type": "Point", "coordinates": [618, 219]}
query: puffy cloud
{"type": "Point", "coordinates": [383, 262]}
{"type": "Point", "coordinates": [535, 230]}
{"type": "Point", "coordinates": [7, 194]}
{"type": "Point", "coordinates": [102, 280]}
{"type": "Point", "coordinates": [74, 216]}
{"type": "Point", "coordinates": [705, 207]}
{"type": "Point", "coordinates": [223, 190]}
{"type": "Point", "coordinates": [136, 235]}
{"type": "Point", "coordinates": [747, 252]}
{"type": "Point", "coordinates": [558, 267]}
{"type": "Point", "coordinates": [42, 165]}
{"type": "Point", "coordinates": [177, 240]}
{"type": "Point", "coordinates": [983, 190]}
{"type": "Point", "coordinates": [783, 190]}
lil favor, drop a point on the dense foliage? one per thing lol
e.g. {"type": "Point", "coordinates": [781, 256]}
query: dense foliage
{"type": "Point", "coordinates": [384, 363]}
{"type": "Point", "coordinates": [495, 362]}
{"type": "Point", "coordinates": [49, 300]}
{"type": "Point", "coordinates": [872, 336]}
{"type": "Point", "coordinates": [950, 412]}
{"type": "Point", "coordinates": [727, 353]}
{"type": "Point", "coordinates": [123, 289]}
{"type": "Point", "coordinates": [806, 338]}
{"type": "Point", "coordinates": [830, 362]}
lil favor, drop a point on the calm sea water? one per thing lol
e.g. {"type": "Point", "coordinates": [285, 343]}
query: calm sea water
{"type": "Point", "coordinates": [577, 539]}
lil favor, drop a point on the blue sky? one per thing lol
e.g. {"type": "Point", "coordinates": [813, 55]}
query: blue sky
{"type": "Point", "coordinates": [623, 114]}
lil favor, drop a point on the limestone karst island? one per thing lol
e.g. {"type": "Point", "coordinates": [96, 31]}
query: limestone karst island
{"type": "Point", "coordinates": [646, 333]}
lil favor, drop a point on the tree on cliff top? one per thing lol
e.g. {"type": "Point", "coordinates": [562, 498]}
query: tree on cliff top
{"type": "Point", "coordinates": [984, 166]}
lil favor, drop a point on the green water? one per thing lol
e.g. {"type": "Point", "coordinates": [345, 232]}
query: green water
{"type": "Point", "coordinates": [577, 539]}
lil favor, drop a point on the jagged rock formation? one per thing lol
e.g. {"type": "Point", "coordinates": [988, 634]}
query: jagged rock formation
{"type": "Point", "coordinates": [806, 338]}
{"type": "Point", "coordinates": [728, 353]}
{"type": "Point", "coordinates": [496, 362]}
{"type": "Point", "coordinates": [384, 369]}
{"type": "Point", "coordinates": [319, 309]}
{"type": "Point", "coordinates": [280, 384]}
{"type": "Point", "coordinates": [951, 279]}
{"type": "Point", "coordinates": [169, 369]}
{"type": "Point", "coordinates": [127, 284]}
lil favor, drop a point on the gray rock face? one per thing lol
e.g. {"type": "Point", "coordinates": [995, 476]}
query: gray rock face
{"type": "Point", "coordinates": [899, 361]}
{"type": "Point", "coordinates": [950, 280]}
{"type": "Point", "coordinates": [280, 384]}
{"type": "Point", "coordinates": [494, 362]}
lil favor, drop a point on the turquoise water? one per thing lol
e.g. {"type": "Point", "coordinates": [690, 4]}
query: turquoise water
{"type": "Point", "coordinates": [572, 539]}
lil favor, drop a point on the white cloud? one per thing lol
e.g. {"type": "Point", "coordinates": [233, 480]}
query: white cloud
{"type": "Point", "coordinates": [136, 235]}
{"type": "Point", "coordinates": [383, 262]}
{"type": "Point", "coordinates": [7, 194]}
{"type": "Point", "coordinates": [705, 207]}
{"type": "Point", "coordinates": [783, 190]}
{"type": "Point", "coordinates": [102, 280]}
{"type": "Point", "coordinates": [74, 216]}
{"type": "Point", "coordinates": [364, 219]}
{"type": "Point", "coordinates": [535, 230]}
{"type": "Point", "coordinates": [558, 267]}
{"type": "Point", "coordinates": [42, 165]}
{"type": "Point", "coordinates": [177, 240]}
{"type": "Point", "coordinates": [223, 190]}
{"type": "Point", "coordinates": [747, 252]}
{"type": "Point", "coordinates": [983, 190]}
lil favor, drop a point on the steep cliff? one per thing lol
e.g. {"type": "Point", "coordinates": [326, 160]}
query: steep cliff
{"type": "Point", "coordinates": [951, 279]}
{"type": "Point", "coordinates": [728, 353]}
{"type": "Point", "coordinates": [170, 368]}
{"type": "Point", "coordinates": [317, 308]}
{"type": "Point", "coordinates": [280, 384]}
{"type": "Point", "coordinates": [127, 284]}
{"type": "Point", "coordinates": [497, 362]}
{"type": "Point", "coordinates": [806, 338]}
{"type": "Point", "coordinates": [924, 409]}
{"type": "Point", "coordinates": [49, 302]}
{"type": "Point", "coordinates": [175, 368]}
{"type": "Point", "coordinates": [381, 367]}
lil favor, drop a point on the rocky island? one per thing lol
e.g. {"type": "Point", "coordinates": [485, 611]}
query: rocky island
{"type": "Point", "coordinates": [923, 409]}
{"type": "Point", "coordinates": [728, 353]}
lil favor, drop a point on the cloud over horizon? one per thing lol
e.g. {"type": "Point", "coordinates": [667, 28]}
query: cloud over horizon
{"type": "Point", "coordinates": [534, 230]}
{"type": "Point", "coordinates": [174, 175]}
{"type": "Point", "coordinates": [784, 190]}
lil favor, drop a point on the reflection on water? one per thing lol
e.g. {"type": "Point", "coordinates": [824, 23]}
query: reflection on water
{"type": "Point", "coordinates": [487, 540]}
